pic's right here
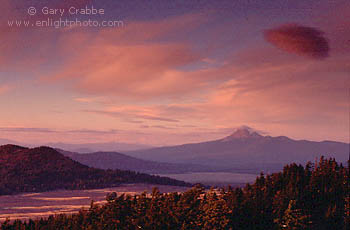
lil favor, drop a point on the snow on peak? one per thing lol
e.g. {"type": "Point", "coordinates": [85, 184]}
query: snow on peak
{"type": "Point", "coordinates": [242, 133]}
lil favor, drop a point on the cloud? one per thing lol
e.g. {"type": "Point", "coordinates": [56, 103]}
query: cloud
{"type": "Point", "coordinates": [176, 82]}
{"type": "Point", "coordinates": [301, 40]}
{"type": "Point", "coordinates": [54, 131]}
{"type": "Point", "coordinates": [156, 126]}
{"type": "Point", "coordinates": [97, 132]}
{"type": "Point", "coordinates": [139, 61]}
{"type": "Point", "coordinates": [138, 71]}
{"type": "Point", "coordinates": [127, 115]}
{"type": "Point", "coordinates": [5, 88]}
{"type": "Point", "coordinates": [25, 47]}
{"type": "Point", "coordinates": [89, 99]}
{"type": "Point", "coordinates": [27, 130]}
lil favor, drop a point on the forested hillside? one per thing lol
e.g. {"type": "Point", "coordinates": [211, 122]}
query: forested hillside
{"type": "Point", "coordinates": [43, 169]}
{"type": "Point", "coordinates": [314, 197]}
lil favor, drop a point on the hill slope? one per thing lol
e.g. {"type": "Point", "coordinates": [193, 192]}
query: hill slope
{"type": "Point", "coordinates": [314, 197]}
{"type": "Point", "coordinates": [42, 169]}
{"type": "Point", "coordinates": [114, 160]}
{"type": "Point", "coordinates": [245, 148]}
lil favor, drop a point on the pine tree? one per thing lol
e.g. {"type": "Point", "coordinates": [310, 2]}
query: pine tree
{"type": "Point", "coordinates": [294, 218]}
{"type": "Point", "coordinates": [347, 198]}
{"type": "Point", "coordinates": [215, 213]}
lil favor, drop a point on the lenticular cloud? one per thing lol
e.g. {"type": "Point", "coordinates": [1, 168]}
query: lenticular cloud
{"type": "Point", "coordinates": [301, 40]}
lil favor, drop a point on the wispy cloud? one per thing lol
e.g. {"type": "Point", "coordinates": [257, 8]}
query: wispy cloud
{"type": "Point", "coordinates": [28, 130]}
{"type": "Point", "coordinates": [138, 61]}
{"type": "Point", "coordinates": [90, 131]}
{"type": "Point", "coordinates": [47, 130]}
{"type": "Point", "coordinates": [129, 115]}
{"type": "Point", "coordinates": [156, 126]}
{"type": "Point", "coordinates": [86, 99]}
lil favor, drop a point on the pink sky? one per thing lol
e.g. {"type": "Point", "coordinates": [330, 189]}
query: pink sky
{"type": "Point", "coordinates": [186, 76]}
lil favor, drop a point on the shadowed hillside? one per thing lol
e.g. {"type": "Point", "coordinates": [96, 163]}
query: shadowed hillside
{"type": "Point", "coordinates": [42, 169]}
{"type": "Point", "coordinates": [115, 160]}
{"type": "Point", "coordinates": [314, 197]}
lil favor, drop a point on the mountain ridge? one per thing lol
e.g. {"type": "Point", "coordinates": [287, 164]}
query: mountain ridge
{"type": "Point", "coordinates": [43, 169]}
{"type": "Point", "coordinates": [242, 133]}
{"type": "Point", "coordinates": [116, 160]}
{"type": "Point", "coordinates": [95, 147]}
{"type": "Point", "coordinates": [246, 148]}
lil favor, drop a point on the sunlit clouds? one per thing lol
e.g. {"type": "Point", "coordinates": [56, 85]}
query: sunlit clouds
{"type": "Point", "coordinates": [182, 78]}
{"type": "Point", "coordinates": [5, 88]}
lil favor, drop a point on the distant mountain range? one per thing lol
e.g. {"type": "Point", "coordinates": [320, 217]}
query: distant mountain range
{"type": "Point", "coordinates": [41, 169]}
{"type": "Point", "coordinates": [246, 149]}
{"type": "Point", "coordinates": [84, 147]}
{"type": "Point", "coordinates": [115, 160]}
{"type": "Point", "coordinates": [95, 147]}
{"type": "Point", "coordinates": [7, 141]}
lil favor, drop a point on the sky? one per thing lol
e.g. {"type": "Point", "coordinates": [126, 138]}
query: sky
{"type": "Point", "coordinates": [173, 72]}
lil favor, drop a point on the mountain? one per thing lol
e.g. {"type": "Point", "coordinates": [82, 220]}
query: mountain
{"type": "Point", "coordinates": [246, 149]}
{"type": "Point", "coordinates": [242, 133]}
{"type": "Point", "coordinates": [115, 160]}
{"type": "Point", "coordinates": [95, 147]}
{"type": "Point", "coordinates": [42, 169]}
{"type": "Point", "coordinates": [84, 147]}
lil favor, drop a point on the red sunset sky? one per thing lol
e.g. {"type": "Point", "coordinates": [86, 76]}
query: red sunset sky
{"type": "Point", "coordinates": [176, 71]}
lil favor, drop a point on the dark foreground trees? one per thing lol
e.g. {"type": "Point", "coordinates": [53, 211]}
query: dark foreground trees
{"type": "Point", "coordinates": [312, 197]}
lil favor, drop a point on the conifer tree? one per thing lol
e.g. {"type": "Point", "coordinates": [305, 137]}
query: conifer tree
{"type": "Point", "coordinates": [294, 218]}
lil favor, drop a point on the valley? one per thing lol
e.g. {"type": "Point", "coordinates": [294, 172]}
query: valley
{"type": "Point", "coordinates": [40, 205]}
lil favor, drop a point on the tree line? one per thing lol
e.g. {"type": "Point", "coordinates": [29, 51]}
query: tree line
{"type": "Point", "coordinates": [315, 196]}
